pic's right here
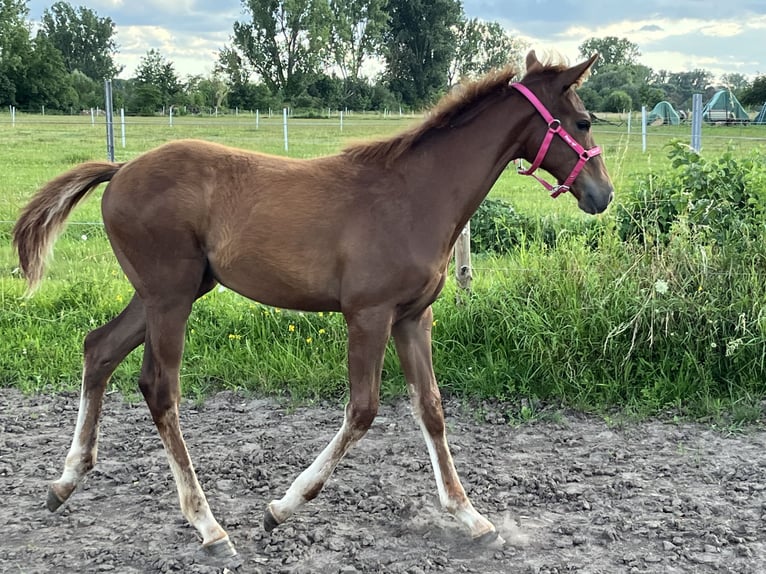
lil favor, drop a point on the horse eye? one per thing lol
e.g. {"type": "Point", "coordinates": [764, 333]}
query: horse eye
{"type": "Point", "coordinates": [583, 125]}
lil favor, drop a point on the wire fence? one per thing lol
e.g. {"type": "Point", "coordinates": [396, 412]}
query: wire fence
{"type": "Point", "coordinates": [304, 137]}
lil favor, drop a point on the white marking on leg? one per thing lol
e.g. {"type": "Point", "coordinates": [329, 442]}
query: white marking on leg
{"type": "Point", "coordinates": [191, 498]}
{"type": "Point", "coordinates": [193, 503]}
{"type": "Point", "coordinates": [75, 466]}
{"type": "Point", "coordinates": [310, 481]}
{"type": "Point", "coordinates": [460, 508]}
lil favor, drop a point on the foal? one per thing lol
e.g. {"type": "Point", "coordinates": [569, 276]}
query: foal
{"type": "Point", "coordinates": [313, 235]}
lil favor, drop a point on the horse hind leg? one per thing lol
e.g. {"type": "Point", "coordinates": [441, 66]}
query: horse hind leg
{"type": "Point", "coordinates": [104, 349]}
{"type": "Point", "coordinates": [412, 338]}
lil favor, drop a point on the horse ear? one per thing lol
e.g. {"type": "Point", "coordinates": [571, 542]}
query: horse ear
{"type": "Point", "coordinates": [532, 61]}
{"type": "Point", "coordinates": [576, 75]}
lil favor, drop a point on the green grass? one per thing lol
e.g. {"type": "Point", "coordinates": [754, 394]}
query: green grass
{"type": "Point", "coordinates": [573, 324]}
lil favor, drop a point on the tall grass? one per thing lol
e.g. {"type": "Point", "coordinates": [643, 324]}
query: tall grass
{"type": "Point", "coordinates": [588, 320]}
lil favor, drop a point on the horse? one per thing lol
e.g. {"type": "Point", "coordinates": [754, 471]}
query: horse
{"type": "Point", "coordinates": [367, 232]}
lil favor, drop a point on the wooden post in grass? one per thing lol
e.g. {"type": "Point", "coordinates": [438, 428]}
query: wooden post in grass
{"type": "Point", "coordinates": [463, 272]}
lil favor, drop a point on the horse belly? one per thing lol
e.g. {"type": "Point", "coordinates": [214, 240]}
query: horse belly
{"type": "Point", "coordinates": [289, 283]}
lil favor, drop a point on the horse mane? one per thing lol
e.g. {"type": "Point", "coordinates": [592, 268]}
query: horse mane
{"type": "Point", "coordinates": [463, 101]}
{"type": "Point", "coordinates": [461, 104]}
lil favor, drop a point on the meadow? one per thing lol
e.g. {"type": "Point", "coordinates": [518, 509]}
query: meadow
{"type": "Point", "coordinates": [593, 322]}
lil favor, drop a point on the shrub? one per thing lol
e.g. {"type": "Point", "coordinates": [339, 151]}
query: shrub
{"type": "Point", "coordinates": [721, 201]}
{"type": "Point", "coordinates": [497, 228]}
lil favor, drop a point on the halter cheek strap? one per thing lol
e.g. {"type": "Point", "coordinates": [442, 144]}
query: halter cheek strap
{"type": "Point", "coordinates": [554, 129]}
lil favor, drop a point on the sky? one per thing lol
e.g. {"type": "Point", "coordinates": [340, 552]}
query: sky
{"type": "Point", "coordinates": [720, 36]}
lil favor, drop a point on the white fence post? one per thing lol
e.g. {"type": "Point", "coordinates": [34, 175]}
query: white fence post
{"type": "Point", "coordinates": [463, 271]}
{"type": "Point", "coordinates": [284, 122]}
{"type": "Point", "coordinates": [109, 119]}
{"type": "Point", "coordinates": [697, 122]}
{"type": "Point", "coordinates": [122, 125]}
{"type": "Point", "coordinates": [643, 127]}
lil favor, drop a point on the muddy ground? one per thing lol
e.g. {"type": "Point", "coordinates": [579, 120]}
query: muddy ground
{"type": "Point", "coordinates": [571, 494]}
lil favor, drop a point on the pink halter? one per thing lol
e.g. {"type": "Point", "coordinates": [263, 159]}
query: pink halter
{"type": "Point", "coordinates": [554, 128]}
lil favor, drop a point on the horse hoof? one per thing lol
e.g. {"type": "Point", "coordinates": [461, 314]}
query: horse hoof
{"type": "Point", "coordinates": [269, 520]}
{"type": "Point", "coordinates": [491, 538]}
{"type": "Point", "coordinates": [54, 501]}
{"type": "Point", "coordinates": [222, 548]}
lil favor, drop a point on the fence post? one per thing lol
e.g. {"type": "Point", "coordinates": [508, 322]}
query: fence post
{"type": "Point", "coordinates": [109, 120]}
{"type": "Point", "coordinates": [463, 271]}
{"type": "Point", "coordinates": [284, 121]}
{"type": "Point", "coordinates": [122, 125]}
{"type": "Point", "coordinates": [696, 122]}
{"type": "Point", "coordinates": [643, 127]}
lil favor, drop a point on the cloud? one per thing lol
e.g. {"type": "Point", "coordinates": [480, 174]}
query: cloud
{"type": "Point", "coordinates": [671, 34]}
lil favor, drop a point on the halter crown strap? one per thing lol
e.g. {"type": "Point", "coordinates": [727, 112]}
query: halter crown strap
{"type": "Point", "coordinates": [554, 128]}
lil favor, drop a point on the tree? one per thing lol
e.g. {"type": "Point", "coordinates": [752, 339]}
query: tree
{"type": "Point", "coordinates": [618, 101]}
{"type": "Point", "coordinates": [682, 85]}
{"type": "Point", "coordinates": [45, 81]}
{"type": "Point", "coordinates": [613, 51]}
{"type": "Point", "coordinates": [158, 83]}
{"type": "Point", "coordinates": [481, 47]}
{"type": "Point", "coordinates": [356, 33]}
{"type": "Point", "coordinates": [756, 94]}
{"type": "Point", "coordinates": [285, 42]}
{"type": "Point", "coordinates": [90, 93]}
{"type": "Point", "coordinates": [86, 42]}
{"type": "Point", "coordinates": [737, 83]}
{"type": "Point", "coordinates": [420, 46]}
{"type": "Point", "coordinates": [207, 92]}
{"type": "Point", "coordinates": [15, 47]}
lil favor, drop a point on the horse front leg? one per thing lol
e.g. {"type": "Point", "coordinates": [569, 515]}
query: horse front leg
{"type": "Point", "coordinates": [412, 337]}
{"type": "Point", "coordinates": [368, 333]}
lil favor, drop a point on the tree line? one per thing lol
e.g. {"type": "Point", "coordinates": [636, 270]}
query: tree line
{"type": "Point", "coordinates": [311, 55]}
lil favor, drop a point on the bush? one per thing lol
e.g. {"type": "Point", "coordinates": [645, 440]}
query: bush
{"type": "Point", "coordinates": [497, 228]}
{"type": "Point", "coordinates": [721, 201]}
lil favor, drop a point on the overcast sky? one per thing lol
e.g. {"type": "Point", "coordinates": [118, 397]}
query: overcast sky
{"type": "Point", "coordinates": [678, 35]}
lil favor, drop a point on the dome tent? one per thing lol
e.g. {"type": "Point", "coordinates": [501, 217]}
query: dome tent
{"type": "Point", "coordinates": [761, 117]}
{"type": "Point", "coordinates": [724, 107]}
{"type": "Point", "coordinates": [665, 112]}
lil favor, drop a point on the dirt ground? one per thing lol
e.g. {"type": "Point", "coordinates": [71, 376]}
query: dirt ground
{"type": "Point", "coordinates": [568, 495]}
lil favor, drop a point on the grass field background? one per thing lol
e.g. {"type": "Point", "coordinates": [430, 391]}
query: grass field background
{"type": "Point", "coordinates": [544, 324]}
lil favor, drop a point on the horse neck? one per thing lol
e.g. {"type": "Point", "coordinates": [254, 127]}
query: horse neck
{"type": "Point", "coordinates": [465, 161]}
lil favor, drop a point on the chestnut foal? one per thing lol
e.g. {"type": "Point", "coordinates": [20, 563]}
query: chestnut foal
{"type": "Point", "coordinates": [367, 232]}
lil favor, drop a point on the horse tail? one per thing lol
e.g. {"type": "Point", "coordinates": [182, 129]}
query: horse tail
{"type": "Point", "coordinates": [43, 218]}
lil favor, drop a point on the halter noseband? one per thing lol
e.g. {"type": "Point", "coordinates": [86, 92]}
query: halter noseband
{"type": "Point", "coordinates": [554, 128]}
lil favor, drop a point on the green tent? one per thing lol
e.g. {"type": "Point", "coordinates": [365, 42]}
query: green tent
{"type": "Point", "coordinates": [761, 117]}
{"type": "Point", "coordinates": [724, 107]}
{"type": "Point", "coordinates": [663, 111]}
